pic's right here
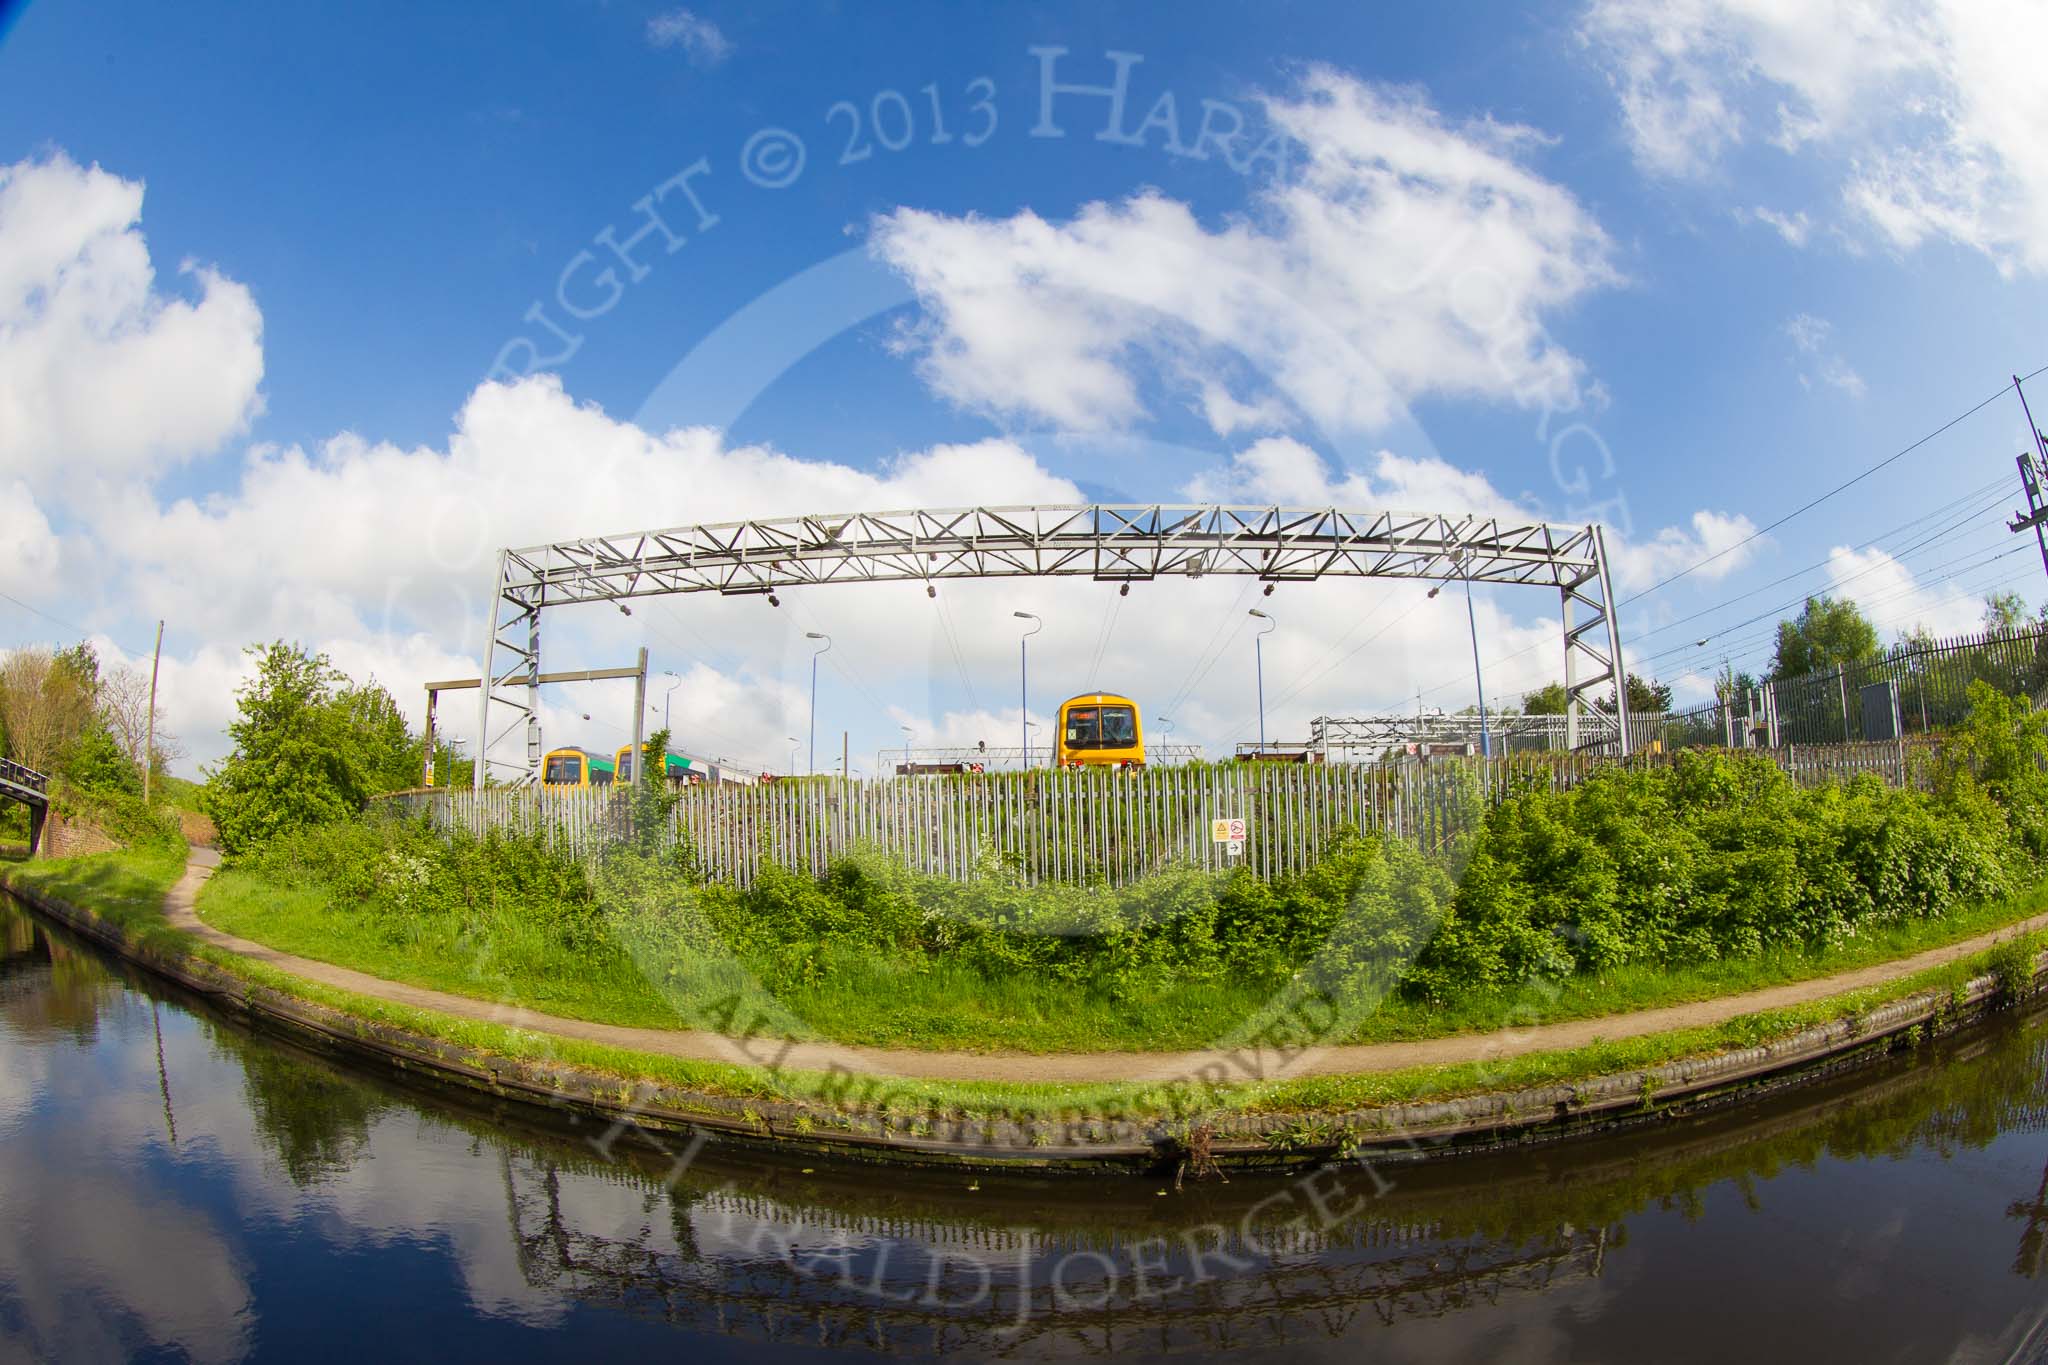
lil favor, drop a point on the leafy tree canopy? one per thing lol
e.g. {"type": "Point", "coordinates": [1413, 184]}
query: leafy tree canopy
{"type": "Point", "coordinates": [2005, 613]}
{"type": "Point", "coordinates": [1645, 697]}
{"type": "Point", "coordinates": [1827, 632]}
{"type": "Point", "coordinates": [1547, 700]}
{"type": "Point", "coordinates": [310, 746]}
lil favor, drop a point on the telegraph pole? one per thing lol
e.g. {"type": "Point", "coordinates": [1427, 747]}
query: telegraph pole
{"type": "Point", "coordinates": [2030, 481]}
{"type": "Point", "coordinates": [156, 659]}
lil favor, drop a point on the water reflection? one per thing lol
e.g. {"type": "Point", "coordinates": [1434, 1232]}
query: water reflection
{"type": "Point", "coordinates": [174, 1183]}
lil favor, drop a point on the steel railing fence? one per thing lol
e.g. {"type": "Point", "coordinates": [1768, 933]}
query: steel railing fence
{"type": "Point", "coordinates": [1087, 826]}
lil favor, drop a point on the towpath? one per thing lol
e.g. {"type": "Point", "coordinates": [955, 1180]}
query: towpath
{"type": "Point", "coordinates": [1071, 1068]}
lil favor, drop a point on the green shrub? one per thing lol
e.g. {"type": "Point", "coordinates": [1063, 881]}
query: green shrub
{"type": "Point", "coordinates": [1718, 856]}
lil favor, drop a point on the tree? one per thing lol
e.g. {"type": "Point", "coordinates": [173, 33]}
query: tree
{"type": "Point", "coordinates": [1647, 697]}
{"type": "Point", "coordinates": [46, 703]}
{"type": "Point", "coordinates": [2004, 613]}
{"type": "Point", "coordinates": [382, 748]}
{"type": "Point", "coordinates": [652, 799]}
{"type": "Point", "coordinates": [1643, 697]}
{"type": "Point", "coordinates": [1547, 700]}
{"type": "Point", "coordinates": [293, 763]}
{"type": "Point", "coordinates": [1827, 633]}
{"type": "Point", "coordinates": [1732, 686]}
{"type": "Point", "coordinates": [96, 763]}
{"type": "Point", "coordinates": [124, 711]}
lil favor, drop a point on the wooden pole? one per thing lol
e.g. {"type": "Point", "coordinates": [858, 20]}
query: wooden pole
{"type": "Point", "coordinates": [156, 659]}
{"type": "Point", "coordinates": [427, 734]}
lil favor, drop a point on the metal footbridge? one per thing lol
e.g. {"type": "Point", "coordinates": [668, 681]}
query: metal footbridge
{"type": "Point", "coordinates": [32, 789]}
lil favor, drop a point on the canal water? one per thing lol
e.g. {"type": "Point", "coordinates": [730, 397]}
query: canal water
{"type": "Point", "coordinates": [173, 1186]}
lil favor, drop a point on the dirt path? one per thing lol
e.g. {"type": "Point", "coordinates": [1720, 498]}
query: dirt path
{"type": "Point", "coordinates": [1072, 1068]}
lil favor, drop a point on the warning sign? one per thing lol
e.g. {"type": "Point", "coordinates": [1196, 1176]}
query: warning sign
{"type": "Point", "coordinates": [1226, 831]}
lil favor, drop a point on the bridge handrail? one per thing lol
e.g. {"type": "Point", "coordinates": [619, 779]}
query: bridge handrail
{"type": "Point", "coordinates": [21, 775]}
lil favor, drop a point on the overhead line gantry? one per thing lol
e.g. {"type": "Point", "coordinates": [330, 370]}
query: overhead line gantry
{"type": "Point", "coordinates": [1119, 543]}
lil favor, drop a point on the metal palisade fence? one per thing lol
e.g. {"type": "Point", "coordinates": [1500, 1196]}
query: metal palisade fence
{"type": "Point", "coordinates": [1929, 684]}
{"type": "Point", "coordinates": [1088, 826]}
{"type": "Point", "coordinates": [1933, 680]}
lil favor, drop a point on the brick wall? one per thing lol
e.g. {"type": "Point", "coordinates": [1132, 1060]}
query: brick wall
{"type": "Point", "coordinates": [68, 839]}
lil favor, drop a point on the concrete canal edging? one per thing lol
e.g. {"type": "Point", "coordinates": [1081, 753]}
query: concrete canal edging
{"type": "Point", "coordinates": [585, 1097]}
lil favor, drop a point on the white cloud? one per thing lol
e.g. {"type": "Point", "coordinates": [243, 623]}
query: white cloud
{"type": "Point", "coordinates": [1817, 359]}
{"type": "Point", "coordinates": [1794, 228]}
{"type": "Point", "coordinates": [700, 40]}
{"type": "Point", "coordinates": [1410, 257]}
{"type": "Point", "coordinates": [1894, 600]}
{"type": "Point", "coordinates": [100, 374]}
{"type": "Point", "coordinates": [1673, 548]}
{"type": "Point", "coordinates": [392, 589]}
{"type": "Point", "coordinates": [1282, 470]}
{"type": "Point", "coordinates": [28, 547]}
{"type": "Point", "coordinates": [338, 550]}
{"type": "Point", "coordinates": [1927, 112]}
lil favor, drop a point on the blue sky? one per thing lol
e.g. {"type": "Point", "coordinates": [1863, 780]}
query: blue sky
{"type": "Point", "coordinates": [1758, 252]}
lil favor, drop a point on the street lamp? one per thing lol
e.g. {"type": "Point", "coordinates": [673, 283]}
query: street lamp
{"type": "Point", "coordinates": [906, 748]}
{"type": "Point", "coordinates": [1259, 659]}
{"type": "Point", "coordinates": [1024, 678]}
{"type": "Point", "coordinates": [669, 673]}
{"type": "Point", "coordinates": [815, 635]}
{"type": "Point", "coordinates": [793, 742]}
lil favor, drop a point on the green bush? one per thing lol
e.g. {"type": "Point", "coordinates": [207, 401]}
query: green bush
{"type": "Point", "coordinates": [1718, 856]}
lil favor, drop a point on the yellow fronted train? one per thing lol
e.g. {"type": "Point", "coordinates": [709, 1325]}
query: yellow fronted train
{"type": "Point", "coordinates": [1100, 729]}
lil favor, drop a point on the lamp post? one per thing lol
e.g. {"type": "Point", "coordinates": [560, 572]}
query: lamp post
{"type": "Point", "coordinates": [1259, 659]}
{"type": "Point", "coordinates": [669, 673]}
{"type": "Point", "coordinates": [906, 749]}
{"type": "Point", "coordinates": [793, 742]}
{"type": "Point", "coordinates": [815, 635]}
{"type": "Point", "coordinates": [1024, 677]}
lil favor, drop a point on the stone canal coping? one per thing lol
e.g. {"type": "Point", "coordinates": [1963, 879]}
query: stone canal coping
{"type": "Point", "coordinates": [584, 1097]}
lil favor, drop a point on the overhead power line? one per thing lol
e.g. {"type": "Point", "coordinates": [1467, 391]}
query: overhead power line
{"type": "Point", "coordinates": [1796, 512]}
{"type": "Point", "coordinates": [72, 626]}
{"type": "Point", "coordinates": [1946, 508]}
{"type": "Point", "coordinates": [1846, 484]}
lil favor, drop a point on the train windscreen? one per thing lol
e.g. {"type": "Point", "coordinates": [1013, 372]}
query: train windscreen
{"type": "Point", "coordinates": [1102, 727]}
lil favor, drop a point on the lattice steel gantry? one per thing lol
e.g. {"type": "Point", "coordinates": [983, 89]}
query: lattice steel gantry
{"type": "Point", "coordinates": [1130, 543]}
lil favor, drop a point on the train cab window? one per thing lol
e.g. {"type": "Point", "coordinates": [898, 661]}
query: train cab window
{"type": "Point", "coordinates": [1119, 727]}
{"type": "Point", "coordinates": [1081, 728]}
{"type": "Point", "coordinates": [564, 770]}
{"type": "Point", "coordinates": [625, 768]}
{"type": "Point", "coordinates": [1101, 727]}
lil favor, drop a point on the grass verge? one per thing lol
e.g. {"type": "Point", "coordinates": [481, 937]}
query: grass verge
{"type": "Point", "coordinates": [127, 889]}
{"type": "Point", "coordinates": [863, 998]}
